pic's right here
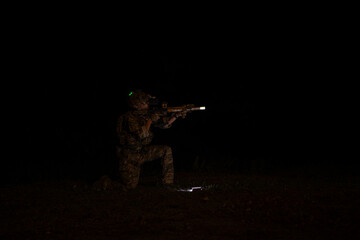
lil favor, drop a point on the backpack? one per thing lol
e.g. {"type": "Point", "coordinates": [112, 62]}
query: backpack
{"type": "Point", "coordinates": [119, 130]}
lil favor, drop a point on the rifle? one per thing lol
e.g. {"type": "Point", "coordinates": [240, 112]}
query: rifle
{"type": "Point", "coordinates": [184, 108]}
{"type": "Point", "coordinates": [165, 110]}
{"type": "Point", "coordinates": [153, 101]}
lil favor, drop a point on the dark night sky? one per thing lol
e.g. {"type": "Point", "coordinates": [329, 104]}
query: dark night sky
{"type": "Point", "coordinates": [261, 91]}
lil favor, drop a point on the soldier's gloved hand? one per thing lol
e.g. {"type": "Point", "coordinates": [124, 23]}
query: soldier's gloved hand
{"type": "Point", "coordinates": [181, 114]}
{"type": "Point", "coordinates": [155, 117]}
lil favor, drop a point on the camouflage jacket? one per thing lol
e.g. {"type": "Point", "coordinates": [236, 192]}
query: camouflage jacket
{"type": "Point", "coordinates": [132, 132]}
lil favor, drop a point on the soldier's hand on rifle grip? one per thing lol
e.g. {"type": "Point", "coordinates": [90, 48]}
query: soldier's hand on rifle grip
{"type": "Point", "coordinates": [181, 114]}
{"type": "Point", "coordinates": [155, 117]}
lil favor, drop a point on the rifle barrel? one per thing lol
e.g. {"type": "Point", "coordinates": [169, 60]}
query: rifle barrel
{"type": "Point", "coordinates": [198, 108]}
{"type": "Point", "coordinates": [179, 109]}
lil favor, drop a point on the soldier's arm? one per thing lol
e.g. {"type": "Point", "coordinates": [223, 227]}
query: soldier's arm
{"type": "Point", "coordinates": [170, 122]}
{"type": "Point", "coordinates": [137, 129]}
{"type": "Point", "coordinates": [172, 119]}
{"type": "Point", "coordinates": [148, 124]}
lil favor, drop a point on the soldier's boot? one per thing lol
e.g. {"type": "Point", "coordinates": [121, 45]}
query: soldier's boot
{"type": "Point", "coordinates": [118, 186]}
{"type": "Point", "coordinates": [103, 184]}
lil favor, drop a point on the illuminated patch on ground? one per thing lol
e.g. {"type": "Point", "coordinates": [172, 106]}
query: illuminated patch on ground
{"type": "Point", "coordinates": [190, 189]}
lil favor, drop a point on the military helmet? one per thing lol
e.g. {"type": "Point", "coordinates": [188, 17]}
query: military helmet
{"type": "Point", "coordinates": [137, 97]}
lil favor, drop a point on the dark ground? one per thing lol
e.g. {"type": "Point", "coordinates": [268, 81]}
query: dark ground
{"type": "Point", "coordinates": [231, 206]}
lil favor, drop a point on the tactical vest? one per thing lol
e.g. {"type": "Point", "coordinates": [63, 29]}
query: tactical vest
{"type": "Point", "coordinates": [127, 139]}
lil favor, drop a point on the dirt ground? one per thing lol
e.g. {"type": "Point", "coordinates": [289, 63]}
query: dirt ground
{"type": "Point", "coordinates": [230, 206]}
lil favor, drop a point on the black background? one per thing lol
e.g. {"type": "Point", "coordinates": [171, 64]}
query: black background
{"type": "Point", "coordinates": [271, 93]}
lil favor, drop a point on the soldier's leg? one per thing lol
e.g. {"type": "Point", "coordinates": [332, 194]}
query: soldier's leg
{"type": "Point", "coordinates": [130, 176]}
{"type": "Point", "coordinates": [130, 170]}
{"type": "Point", "coordinates": [165, 154]}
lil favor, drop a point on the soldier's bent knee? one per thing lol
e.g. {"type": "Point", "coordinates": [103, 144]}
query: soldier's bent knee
{"type": "Point", "coordinates": [131, 186]}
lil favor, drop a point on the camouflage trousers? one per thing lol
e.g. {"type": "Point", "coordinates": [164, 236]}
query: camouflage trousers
{"type": "Point", "coordinates": [131, 161]}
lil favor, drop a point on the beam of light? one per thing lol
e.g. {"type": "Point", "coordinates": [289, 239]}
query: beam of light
{"type": "Point", "coordinates": [202, 108]}
{"type": "Point", "coordinates": [190, 189]}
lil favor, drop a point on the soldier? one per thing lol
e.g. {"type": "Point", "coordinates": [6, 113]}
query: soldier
{"type": "Point", "coordinates": [134, 134]}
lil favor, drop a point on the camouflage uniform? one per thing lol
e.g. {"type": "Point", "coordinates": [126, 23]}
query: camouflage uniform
{"type": "Point", "coordinates": [134, 149]}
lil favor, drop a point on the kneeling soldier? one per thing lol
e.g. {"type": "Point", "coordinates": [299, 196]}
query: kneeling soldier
{"type": "Point", "coordinates": [133, 131]}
